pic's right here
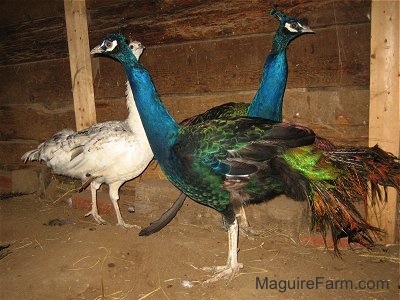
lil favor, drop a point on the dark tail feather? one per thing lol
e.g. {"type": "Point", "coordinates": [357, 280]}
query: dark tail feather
{"type": "Point", "coordinates": [374, 165]}
{"type": "Point", "coordinates": [165, 217]}
{"type": "Point", "coordinates": [384, 171]}
{"type": "Point", "coordinates": [333, 209]}
{"type": "Point", "coordinates": [87, 182]}
{"type": "Point", "coordinates": [32, 155]}
{"type": "Point", "coordinates": [363, 171]}
{"type": "Point", "coordinates": [323, 144]}
{"type": "Point", "coordinates": [341, 177]}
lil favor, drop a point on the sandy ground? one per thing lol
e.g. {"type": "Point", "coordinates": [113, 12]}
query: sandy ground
{"type": "Point", "coordinates": [83, 260]}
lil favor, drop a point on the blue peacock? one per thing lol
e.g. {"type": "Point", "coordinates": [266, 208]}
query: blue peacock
{"type": "Point", "coordinates": [267, 103]}
{"type": "Point", "coordinates": [227, 162]}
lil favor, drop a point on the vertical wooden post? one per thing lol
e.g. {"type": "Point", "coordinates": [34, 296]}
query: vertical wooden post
{"type": "Point", "coordinates": [80, 63]}
{"type": "Point", "coordinates": [384, 120]}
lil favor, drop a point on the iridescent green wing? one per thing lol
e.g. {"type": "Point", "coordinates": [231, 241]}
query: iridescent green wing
{"type": "Point", "coordinates": [230, 146]}
{"type": "Point", "coordinates": [224, 111]}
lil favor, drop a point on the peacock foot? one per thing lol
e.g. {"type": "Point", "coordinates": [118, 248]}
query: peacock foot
{"type": "Point", "coordinates": [223, 272]}
{"type": "Point", "coordinates": [249, 233]}
{"type": "Point", "coordinates": [127, 226]}
{"type": "Point", "coordinates": [96, 217]}
{"type": "Point", "coordinates": [232, 266]}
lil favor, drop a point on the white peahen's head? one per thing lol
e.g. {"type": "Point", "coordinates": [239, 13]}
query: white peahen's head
{"type": "Point", "coordinates": [137, 48]}
{"type": "Point", "coordinates": [133, 118]}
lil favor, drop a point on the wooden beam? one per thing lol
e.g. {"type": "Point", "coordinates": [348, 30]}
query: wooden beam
{"type": "Point", "coordinates": [80, 63]}
{"type": "Point", "coordinates": [384, 121]}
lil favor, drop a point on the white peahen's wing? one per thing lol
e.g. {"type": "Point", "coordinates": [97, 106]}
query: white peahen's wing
{"type": "Point", "coordinates": [112, 152]}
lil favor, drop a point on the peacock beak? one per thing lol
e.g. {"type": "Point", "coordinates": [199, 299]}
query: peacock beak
{"type": "Point", "coordinates": [306, 29]}
{"type": "Point", "coordinates": [97, 50]}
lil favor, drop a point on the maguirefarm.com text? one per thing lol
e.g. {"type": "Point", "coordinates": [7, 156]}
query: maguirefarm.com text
{"type": "Point", "coordinates": [320, 282]}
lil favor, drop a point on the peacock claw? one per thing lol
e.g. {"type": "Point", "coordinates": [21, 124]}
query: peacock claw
{"type": "Point", "coordinates": [223, 272]}
{"type": "Point", "coordinates": [249, 233]}
{"type": "Point", "coordinates": [128, 226]}
{"type": "Point", "coordinates": [232, 266]}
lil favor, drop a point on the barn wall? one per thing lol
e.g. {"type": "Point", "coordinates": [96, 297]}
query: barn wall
{"type": "Point", "coordinates": [200, 54]}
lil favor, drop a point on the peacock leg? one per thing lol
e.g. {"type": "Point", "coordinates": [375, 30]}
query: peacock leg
{"type": "Point", "coordinates": [244, 226]}
{"type": "Point", "coordinates": [242, 218]}
{"type": "Point", "coordinates": [114, 196]}
{"type": "Point", "coordinates": [94, 212]}
{"type": "Point", "coordinates": [232, 266]}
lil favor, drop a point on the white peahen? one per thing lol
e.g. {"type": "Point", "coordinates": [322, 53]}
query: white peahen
{"type": "Point", "coordinates": [111, 152]}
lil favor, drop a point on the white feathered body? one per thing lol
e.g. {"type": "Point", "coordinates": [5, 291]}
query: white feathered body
{"type": "Point", "coordinates": [111, 151]}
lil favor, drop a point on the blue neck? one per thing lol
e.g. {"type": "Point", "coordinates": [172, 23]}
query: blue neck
{"type": "Point", "coordinates": [267, 102]}
{"type": "Point", "coordinates": [161, 129]}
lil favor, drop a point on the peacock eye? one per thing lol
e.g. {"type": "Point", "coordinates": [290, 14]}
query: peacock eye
{"type": "Point", "coordinates": [108, 44]}
{"type": "Point", "coordinates": [131, 46]}
{"type": "Point", "coordinates": [292, 27]}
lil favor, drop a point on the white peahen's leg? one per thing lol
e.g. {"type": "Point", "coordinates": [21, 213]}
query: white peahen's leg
{"type": "Point", "coordinates": [94, 212]}
{"type": "Point", "coordinates": [232, 265]}
{"type": "Point", "coordinates": [114, 196]}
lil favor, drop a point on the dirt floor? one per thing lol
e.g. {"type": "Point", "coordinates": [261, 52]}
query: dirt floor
{"type": "Point", "coordinates": [83, 260]}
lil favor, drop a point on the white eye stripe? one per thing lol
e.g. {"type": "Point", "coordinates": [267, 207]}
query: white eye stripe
{"type": "Point", "coordinates": [113, 45]}
{"type": "Point", "coordinates": [288, 27]}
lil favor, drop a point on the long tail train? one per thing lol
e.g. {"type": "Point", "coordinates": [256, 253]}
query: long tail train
{"type": "Point", "coordinates": [361, 174]}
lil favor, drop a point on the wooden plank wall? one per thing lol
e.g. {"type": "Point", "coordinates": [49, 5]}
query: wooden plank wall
{"type": "Point", "coordinates": [200, 54]}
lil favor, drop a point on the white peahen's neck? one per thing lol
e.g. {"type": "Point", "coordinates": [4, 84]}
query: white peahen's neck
{"type": "Point", "coordinates": [133, 120]}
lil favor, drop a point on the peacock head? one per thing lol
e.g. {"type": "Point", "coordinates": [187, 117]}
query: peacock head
{"type": "Point", "coordinates": [136, 48]}
{"type": "Point", "coordinates": [289, 28]}
{"type": "Point", "coordinates": [116, 46]}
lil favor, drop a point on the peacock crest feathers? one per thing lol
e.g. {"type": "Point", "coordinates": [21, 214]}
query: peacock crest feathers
{"type": "Point", "coordinates": [277, 14]}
